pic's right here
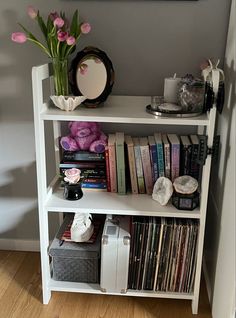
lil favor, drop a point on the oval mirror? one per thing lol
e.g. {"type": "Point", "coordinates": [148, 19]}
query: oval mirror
{"type": "Point", "coordinates": [92, 75]}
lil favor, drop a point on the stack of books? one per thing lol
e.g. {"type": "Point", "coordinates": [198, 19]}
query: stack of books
{"type": "Point", "coordinates": [163, 254]}
{"type": "Point", "coordinates": [92, 166]}
{"type": "Point", "coordinates": [135, 163]}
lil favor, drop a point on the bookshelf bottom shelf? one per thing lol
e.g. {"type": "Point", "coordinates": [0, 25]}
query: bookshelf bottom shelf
{"type": "Point", "coordinates": [95, 289]}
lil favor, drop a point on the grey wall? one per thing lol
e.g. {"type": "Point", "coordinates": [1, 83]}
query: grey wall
{"type": "Point", "coordinates": [146, 40]}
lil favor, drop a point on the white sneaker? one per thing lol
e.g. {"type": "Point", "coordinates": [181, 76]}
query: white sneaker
{"type": "Point", "coordinates": [82, 227]}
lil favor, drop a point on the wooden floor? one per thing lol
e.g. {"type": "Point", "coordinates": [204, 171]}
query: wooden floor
{"type": "Point", "coordinates": [20, 297]}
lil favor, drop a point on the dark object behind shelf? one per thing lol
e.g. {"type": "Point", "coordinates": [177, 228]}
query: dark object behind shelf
{"type": "Point", "coordinates": [78, 88]}
{"type": "Point", "coordinates": [204, 151]}
{"type": "Point", "coordinates": [209, 97]}
{"type": "Point", "coordinates": [185, 201]}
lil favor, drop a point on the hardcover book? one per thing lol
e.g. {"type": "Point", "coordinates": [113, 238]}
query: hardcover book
{"type": "Point", "coordinates": [120, 163]}
{"type": "Point", "coordinates": [83, 165]}
{"type": "Point", "coordinates": [166, 146]}
{"type": "Point", "coordinates": [146, 163]}
{"type": "Point", "coordinates": [194, 166]}
{"type": "Point", "coordinates": [82, 156]}
{"type": "Point", "coordinates": [175, 155]}
{"type": "Point", "coordinates": [112, 162]}
{"type": "Point", "coordinates": [132, 166]}
{"type": "Point", "coordinates": [185, 155]}
{"type": "Point", "coordinates": [139, 167]}
{"type": "Point", "coordinates": [160, 154]}
{"type": "Point", "coordinates": [153, 158]}
{"type": "Point", "coordinates": [108, 179]}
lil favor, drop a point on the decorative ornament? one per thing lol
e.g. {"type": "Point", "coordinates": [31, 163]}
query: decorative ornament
{"type": "Point", "coordinates": [162, 190]}
{"type": "Point", "coordinates": [185, 184]}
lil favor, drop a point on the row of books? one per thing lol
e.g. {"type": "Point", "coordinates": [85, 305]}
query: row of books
{"type": "Point", "coordinates": [143, 160]}
{"type": "Point", "coordinates": [163, 254]}
{"type": "Point", "coordinates": [92, 166]}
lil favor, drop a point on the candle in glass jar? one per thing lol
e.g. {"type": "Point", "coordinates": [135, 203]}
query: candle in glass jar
{"type": "Point", "coordinates": [171, 89]}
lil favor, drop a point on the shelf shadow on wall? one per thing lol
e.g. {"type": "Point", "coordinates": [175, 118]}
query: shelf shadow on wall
{"type": "Point", "coordinates": [215, 208]}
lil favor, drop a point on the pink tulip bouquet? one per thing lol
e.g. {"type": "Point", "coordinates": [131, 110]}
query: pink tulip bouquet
{"type": "Point", "coordinates": [60, 36]}
{"type": "Point", "coordinates": [60, 39]}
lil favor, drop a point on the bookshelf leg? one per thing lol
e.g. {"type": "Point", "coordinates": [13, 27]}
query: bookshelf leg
{"type": "Point", "coordinates": [46, 295]}
{"type": "Point", "coordinates": [195, 306]}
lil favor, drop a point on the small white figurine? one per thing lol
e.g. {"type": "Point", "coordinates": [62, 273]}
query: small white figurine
{"type": "Point", "coordinates": [82, 227]}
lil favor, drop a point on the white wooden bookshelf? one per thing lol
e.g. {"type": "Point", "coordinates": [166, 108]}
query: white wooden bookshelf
{"type": "Point", "coordinates": [117, 109]}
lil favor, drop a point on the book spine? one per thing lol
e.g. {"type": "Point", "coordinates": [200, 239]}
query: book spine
{"type": "Point", "coordinates": [194, 166]}
{"type": "Point", "coordinates": [167, 161]}
{"type": "Point", "coordinates": [154, 161]}
{"type": "Point", "coordinates": [107, 170]}
{"type": "Point", "coordinates": [175, 158]}
{"type": "Point", "coordinates": [94, 180]}
{"type": "Point", "coordinates": [112, 167]}
{"type": "Point", "coordinates": [120, 165]}
{"type": "Point", "coordinates": [146, 163]}
{"type": "Point", "coordinates": [88, 173]}
{"type": "Point", "coordinates": [92, 185]}
{"type": "Point", "coordinates": [132, 169]}
{"type": "Point", "coordinates": [139, 169]}
{"type": "Point", "coordinates": [160, 160]}
{"type": "Point", "coordinates": [82, 165]}
{"type": "Point", "coordinates": [185, 160]}
{"type": "Point", "coordinates": [81, 156]}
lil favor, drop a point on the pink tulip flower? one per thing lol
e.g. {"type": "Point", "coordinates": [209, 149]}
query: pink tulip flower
{"type": "Point", "coordinates": [62, 36]}
{"type": "Point", "coordinates": [53, 15]}
{"type": "Point", "coordinates": [32, 12]}
{"type": "Point", "coordinates": [85, 28]}
{"type": "Point", "coordinates": [19, 37]}
{"type": "Point", "coordinates": [70, 40]}
{"type": "Point", "coordinates": [58, 22]}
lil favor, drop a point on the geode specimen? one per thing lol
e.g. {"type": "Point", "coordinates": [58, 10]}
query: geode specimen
{"type": "Point", "coordinates": [162, 190]}
{"type": "Point", "coordinates": [185, 184]}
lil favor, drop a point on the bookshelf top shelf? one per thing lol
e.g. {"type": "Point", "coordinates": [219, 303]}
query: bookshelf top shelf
{"type": "Point", "coordinates": [120, 109]}
{"type": "Point", "coordinates": [99, 202]}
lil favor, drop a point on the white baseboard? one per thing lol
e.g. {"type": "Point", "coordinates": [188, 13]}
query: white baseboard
{"type": "Point", "coordinates": [19, 245]}
{"type": "Point", "coordinates": [207, 280]}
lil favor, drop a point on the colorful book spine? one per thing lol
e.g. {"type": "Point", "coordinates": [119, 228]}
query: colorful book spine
{"type": "Point", "coordinates": [166, 146]}
{"type": "Point", "coordinates": [82, 156]}
{"type": "Point", "coordinates": [92, 185]}
{"type": "Point", "coordinates": [160, 155]}
{"type": "Point", "coordinates": [120, 163]}
{"type": "Point", "coordinates": [153, 157]}
{"type": "Point", "coordinates": [185, 155]}
{"type": "Point", "coordinates": [175, 155]}
{"type": "Point", "coordinates": [132, 166]}
{"type": "Point", "coordinates": [146, 163]}
{"type": "Point", "coordinates": [112, 162]}
{"type": "Point", "coordinates": [83, 165]}
{"type": "Point", "coordinates": [107, 170]}
{"type": "Point", "coordinates": [94, 173]}
{"type": "Point", "coordinates": [139, 168]}
{"type": "Point", "coordinates": [194, 166]}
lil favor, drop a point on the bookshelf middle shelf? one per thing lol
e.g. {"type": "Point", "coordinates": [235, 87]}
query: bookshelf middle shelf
{"type": "Point", "coordinates": [99, 202]}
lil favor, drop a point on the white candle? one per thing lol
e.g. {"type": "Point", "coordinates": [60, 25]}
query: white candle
{"type": "Point", "coordinates": [171, 89]}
